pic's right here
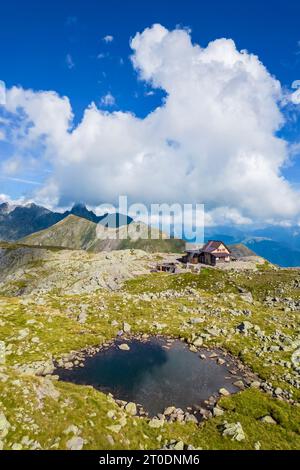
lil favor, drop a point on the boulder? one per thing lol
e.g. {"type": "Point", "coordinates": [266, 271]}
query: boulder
{"type": "Point", "coordinates": [244, 327]}
{"type": "Point", "coordinates": [268, 420]}
{"type": "Point", "coordinates": [82, 317]}
{"type": "Point", "coordinates": [4, 425]}
{"type": "Point", "coordinates": [198, 342]}
{"type": "Point", "coordinates": [224, 392]}
{"type": "Point", "coordinates": [178, 446]}
{"type": "Point", "coordinates": [75, 443]}
{"type": "Point", "coordinates": [247, 297]}
{"type": "Point", "coordinates": [239, 384]}
{"type": "Point", "coordinates": [126, 327]}
{"type": "Point", "coordinates": [189, 418]}
{"type": "Point", "coordinates": [131, 408]}
{"type": "Point", "coordinates": [218, 411]}
{"type": "Point", "coordinates": [156, 423]}
{"type": "Point", "coordinates": [234, 430]}
{"type": "Point", "coordinates": [214, 331]}
{"type": "Point", "coordinates": [255, 384]}
{"type": "Point", "coordinates": [168, 411]}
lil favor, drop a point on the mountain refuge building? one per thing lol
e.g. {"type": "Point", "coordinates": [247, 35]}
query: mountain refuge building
{"type": "Point", "coordinates": [212, 253]}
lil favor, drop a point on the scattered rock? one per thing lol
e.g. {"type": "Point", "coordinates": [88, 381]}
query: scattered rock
{"type": "Point", "coordinates": [47, 389]}
{"type": "Point", "coordinates": [4, 425]}
{"type": "Point", "coordinates": [268, 420]}
{"type": "Point", "coordinates": [296, 359]}
{"type": "Point", "coordinates": [126, 327]}
{"type": "Point", "coordinates": [244, 327]}
{"type": "Point", "coordinates": [239, 384]}
{"type": "Point", "coordinates": [196, 321]}
{"type": "Point", "coordinates": [72, 429]}
{"type": "Point", "coordinates": [131, 408]}
{"type": "Point", "coordinates": [37, 368]}
{"type": "Point", "coordinates": [82, 317]}
{"type": "Point", "coordinates": [213, 331]}
{"type": "Point", "coordinates": [179, 445]}
{"type": "Point", "coordinates": [75, 443]}
{"type": "Point", "coordinates": [189, 418]}
{"type": "Point", "coordinates": [198, 342]}
{"type": "Point", "coordinates": [124, 347]}
{"type": "Point", "coordinates": [218, 411]}
{"type": "Point", "coordinates": [234, 430]}
{"type": "Point", "coordinates": [17, 446]}
{"type": "Point", "coordinates": [221, 361]}
{"type": "Point", "coordinates": [224, 392]}
{"type": "Point", "coordinates": [23, 333]}
{"type": "Point", "coordinates": [110, 440]}
{"type": "Point", "coordinates": [247, 297]}
{"type": "Point", "coordinates": [255, 384]}
{"type": "Point", "coordinates": [156, 423]}
{"type": "Point", "coordinates": [168, 411]}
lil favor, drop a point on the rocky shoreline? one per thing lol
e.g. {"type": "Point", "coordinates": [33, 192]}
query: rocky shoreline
{"type": "Point", "coordinates": [243, 375]}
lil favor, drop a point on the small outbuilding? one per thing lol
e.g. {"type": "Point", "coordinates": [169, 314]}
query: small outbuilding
{"type": "Point", "coordinates": [167, 268]}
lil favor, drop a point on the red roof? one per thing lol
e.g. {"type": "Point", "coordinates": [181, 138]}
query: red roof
{"type": "Point", "coordinates": [213, 245]}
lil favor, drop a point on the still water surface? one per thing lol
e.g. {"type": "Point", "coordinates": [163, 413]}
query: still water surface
{"type": "Point", "coordinates": [152, 375]}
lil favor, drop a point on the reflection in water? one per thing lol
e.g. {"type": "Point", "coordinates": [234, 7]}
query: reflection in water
{"type": "Point", "coordinates": [151, 375]}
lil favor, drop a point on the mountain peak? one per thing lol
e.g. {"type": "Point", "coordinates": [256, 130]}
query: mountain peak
{"type": "Point", "coordinates": [81, 210]}
{"type": "Point", "coordinates": [4, 208]}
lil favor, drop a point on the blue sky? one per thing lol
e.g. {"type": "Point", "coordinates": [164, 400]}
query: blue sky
{"type": "Point", "coordinates": [36, 37]}
{"type": "Point", "coordinates": [60, 46]}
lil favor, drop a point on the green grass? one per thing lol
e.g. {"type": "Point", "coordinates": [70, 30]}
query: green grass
{"type": "Point", "coordinates": [154, 246]}
{"type": "Point", "coordinates": [214, 293]}
{"type": "Point", "coordinates": [209, 279]}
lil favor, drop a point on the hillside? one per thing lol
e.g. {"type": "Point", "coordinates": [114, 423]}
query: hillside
{"type": "Point", "coordinates": [35, 269]}
{"type": "Point", "coordinates": [240, 250]}
{"type": "Point", "coordinates": [80, 234]}
{"type": "Point", "coordinates": [72, 232]}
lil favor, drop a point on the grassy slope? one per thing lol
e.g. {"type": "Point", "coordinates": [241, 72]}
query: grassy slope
{"type": "Point", "coordinates": [154, 246]}
{"type": "Point", "coordinates": [72, 232]}
{"type": "Point", "coordinates": [59, 332]}
{"type": "Point", "coordinates": [77, 233]}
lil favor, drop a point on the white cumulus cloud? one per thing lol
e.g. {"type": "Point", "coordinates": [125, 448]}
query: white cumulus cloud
{"type": "Point", "coordinates": [213, 139]}
{"type": "Point", "coordinates": [295, 96]}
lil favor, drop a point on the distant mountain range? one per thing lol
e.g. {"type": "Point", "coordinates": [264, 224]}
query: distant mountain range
{"type": "Point", "coordinates": [279, 245]}
{"type": "Point", "coordinates": [19, 221]}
